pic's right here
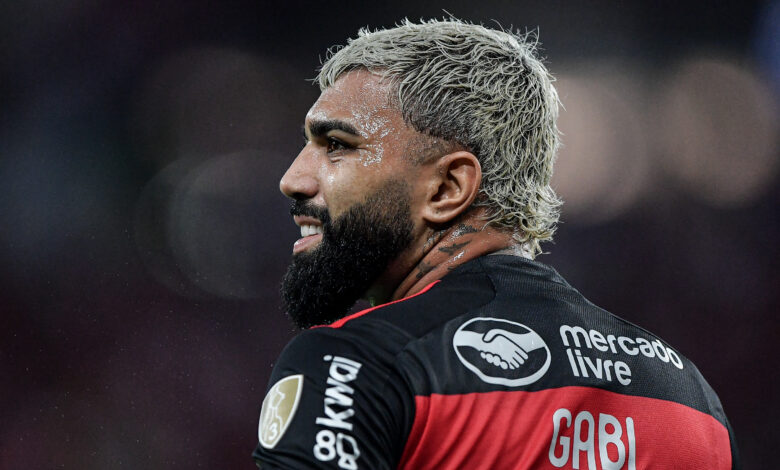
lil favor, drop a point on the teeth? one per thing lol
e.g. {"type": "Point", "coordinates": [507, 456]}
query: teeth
{"type": "Point", "coordinates": [308, 230]}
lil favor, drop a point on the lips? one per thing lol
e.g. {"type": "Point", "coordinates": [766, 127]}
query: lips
{"type": "Point", "coordinates": [311, 233]}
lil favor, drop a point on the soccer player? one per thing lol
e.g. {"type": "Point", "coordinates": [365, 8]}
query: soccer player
{"type": "Point", "coordinates": [423, 187]}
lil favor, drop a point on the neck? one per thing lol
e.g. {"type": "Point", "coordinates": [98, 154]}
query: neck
{"type": "Point", "coordinates": [447, 249]}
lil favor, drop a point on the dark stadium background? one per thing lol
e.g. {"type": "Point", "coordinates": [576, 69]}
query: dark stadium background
{"type": "Point", "coordinates": [142, 234]}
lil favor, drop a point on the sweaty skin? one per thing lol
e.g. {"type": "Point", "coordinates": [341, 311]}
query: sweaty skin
{"type": "Point", "coordinates": [357, 140]}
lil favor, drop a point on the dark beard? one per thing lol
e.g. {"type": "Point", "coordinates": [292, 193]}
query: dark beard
{"type": "Point", "coordinates": [320, 286]}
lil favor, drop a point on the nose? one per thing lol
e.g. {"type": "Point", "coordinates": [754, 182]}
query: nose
{"type": "Point", "coordinates": [300, 182]}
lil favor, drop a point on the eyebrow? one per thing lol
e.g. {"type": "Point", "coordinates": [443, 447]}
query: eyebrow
{"type": "Point", "coordinates": [321, 128]}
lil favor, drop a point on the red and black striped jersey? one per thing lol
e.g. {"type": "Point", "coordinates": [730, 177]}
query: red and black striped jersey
{"type": "Point", "coordinates": [499, 365]}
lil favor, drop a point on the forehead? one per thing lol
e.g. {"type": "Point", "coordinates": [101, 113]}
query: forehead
{"type": "Point", "coordinates": [357, 97]}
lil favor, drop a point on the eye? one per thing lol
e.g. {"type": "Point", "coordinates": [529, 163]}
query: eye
{"type": "Point", "coordinates": [335, 145]}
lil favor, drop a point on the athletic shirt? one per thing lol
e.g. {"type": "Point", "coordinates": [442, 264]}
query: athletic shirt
{"type": "Point", "coordinates": [499, 365]}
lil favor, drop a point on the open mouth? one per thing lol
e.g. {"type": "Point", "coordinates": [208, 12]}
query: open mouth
{"type": "Point", "coordinates": [309, 230]}
{"type": "Point", "coordinates": [311, 233]}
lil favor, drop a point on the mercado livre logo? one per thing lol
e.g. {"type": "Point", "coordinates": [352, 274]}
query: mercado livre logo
{"type": "Point", "coordinates": [501, 352]}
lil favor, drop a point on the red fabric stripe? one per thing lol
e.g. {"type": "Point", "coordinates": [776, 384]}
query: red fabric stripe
{"type": "Point", "coordinates": [514, 430]}
{"type": "Point", "coordinates": [339, 323]}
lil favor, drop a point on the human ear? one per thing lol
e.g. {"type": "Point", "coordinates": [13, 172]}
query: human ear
{"type": "Point", "coordinates": [453, 186]}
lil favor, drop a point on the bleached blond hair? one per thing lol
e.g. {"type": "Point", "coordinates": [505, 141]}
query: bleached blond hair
{"type": "Point", "coordinates": [482, 88]}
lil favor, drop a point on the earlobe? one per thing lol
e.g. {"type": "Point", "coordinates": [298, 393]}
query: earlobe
{"type": "Point", "coordinates": [453, 188]}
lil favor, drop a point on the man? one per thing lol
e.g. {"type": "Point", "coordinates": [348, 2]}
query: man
{"type": "Point", "coordinates": [423, 186]}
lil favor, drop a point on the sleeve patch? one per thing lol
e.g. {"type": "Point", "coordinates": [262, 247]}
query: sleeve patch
{"type": "Point", "coordinates": [278, 410]}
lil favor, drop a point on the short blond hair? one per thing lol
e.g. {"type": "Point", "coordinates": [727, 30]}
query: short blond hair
{"type": "Point", "coordinates": [483, 88]}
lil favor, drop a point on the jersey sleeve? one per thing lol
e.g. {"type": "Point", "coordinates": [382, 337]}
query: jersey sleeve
{"type": "Point", "coordinates": [332, 402]}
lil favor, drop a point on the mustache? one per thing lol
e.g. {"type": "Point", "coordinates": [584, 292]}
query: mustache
{"type": "Point", "coordinates": [309, 209]}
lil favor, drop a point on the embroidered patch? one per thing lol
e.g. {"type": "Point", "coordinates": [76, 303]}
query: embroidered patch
{"type": "Point", "coordinates": [278, 410]}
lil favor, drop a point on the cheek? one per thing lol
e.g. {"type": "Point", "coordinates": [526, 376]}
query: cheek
{"type": "Point", "coordinates": [339, 191]}
{"type": "Point", "coordinates": [372, 155]}
{"type": "Point", "coordinates": [350, 185]}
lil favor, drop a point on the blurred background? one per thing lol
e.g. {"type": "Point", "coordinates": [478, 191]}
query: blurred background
{"type": "Point", "coordinates": [143, 236]}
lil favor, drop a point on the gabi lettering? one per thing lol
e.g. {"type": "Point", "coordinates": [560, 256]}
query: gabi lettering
{"type": "Point", "coordinates": [591, 442]}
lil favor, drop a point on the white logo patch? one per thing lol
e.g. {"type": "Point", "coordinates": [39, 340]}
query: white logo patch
{"type": "Point", "coordinates": [279, 408]}
{"type": "Point", "coordinates": [501, 352]}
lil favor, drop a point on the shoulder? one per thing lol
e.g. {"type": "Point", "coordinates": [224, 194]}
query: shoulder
{"type": "Point", "coordinates": [334, 401]}
{"type": "Point", "coordinates": [407, 319]}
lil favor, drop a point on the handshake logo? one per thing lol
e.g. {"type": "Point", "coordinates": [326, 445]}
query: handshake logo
{"type": "Point", "coordinates": [501, 352]}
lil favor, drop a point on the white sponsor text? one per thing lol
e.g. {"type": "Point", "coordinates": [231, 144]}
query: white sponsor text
{"type": "Point", "coordinates": [335, 440]}
{"type": "Point", "coordinates": [577, 338]}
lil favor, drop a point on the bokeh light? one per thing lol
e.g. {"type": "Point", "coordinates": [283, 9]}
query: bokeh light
{"type": "Point", "coordinates": [221, 219]}
{"type": "Point", "coordinates": [602, 167]}
{"type": "Point", "coordinates": [718, 130]}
